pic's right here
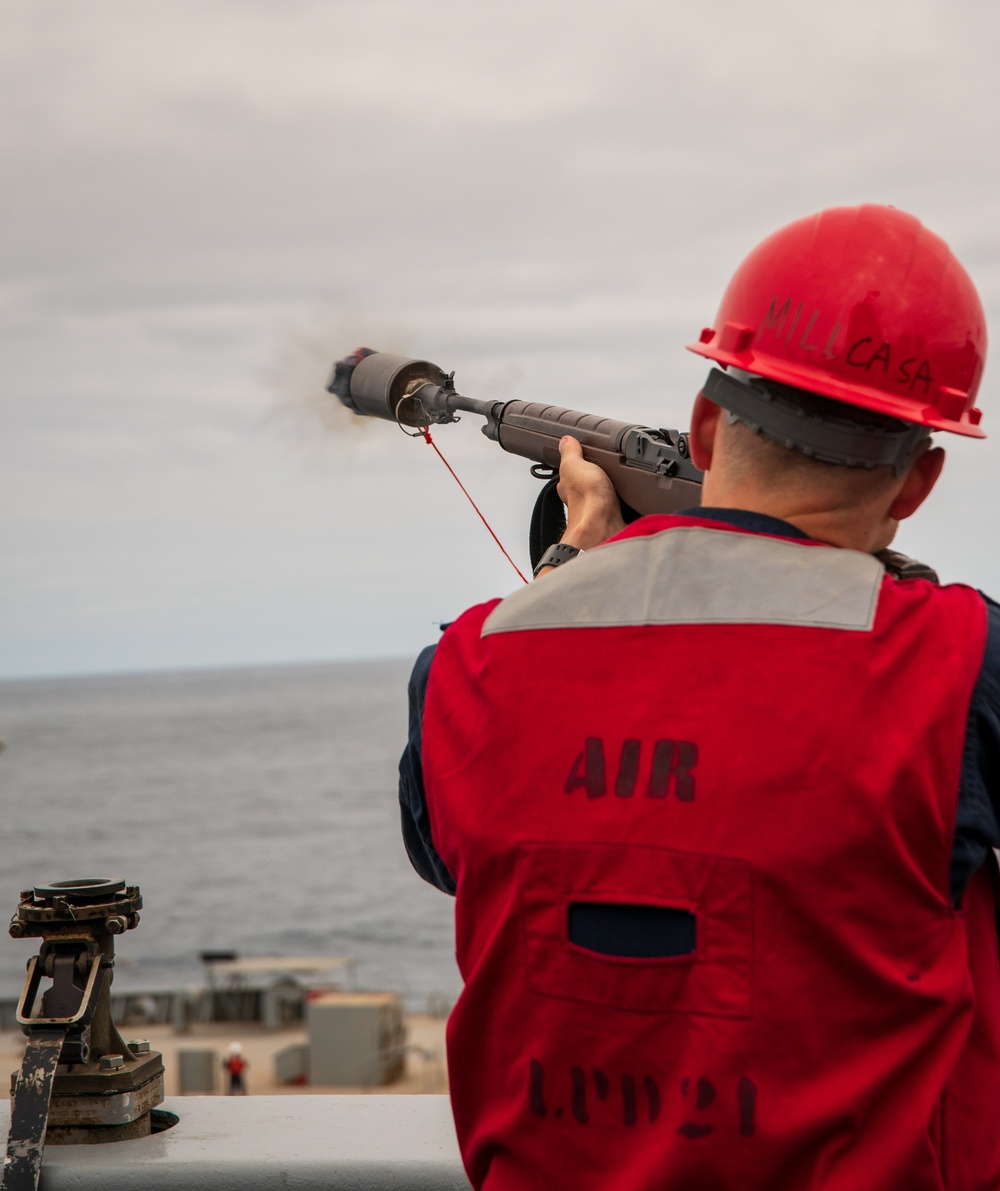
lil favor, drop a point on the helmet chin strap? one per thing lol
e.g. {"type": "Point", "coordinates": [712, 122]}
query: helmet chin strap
{"type": "Point", "coordinates": [759, 405]}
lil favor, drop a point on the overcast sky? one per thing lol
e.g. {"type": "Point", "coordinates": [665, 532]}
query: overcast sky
{"type": "Point", "coordinates": [203, 204]}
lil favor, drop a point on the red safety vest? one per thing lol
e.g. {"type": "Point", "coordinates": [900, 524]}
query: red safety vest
{"type": "Point", "coordinates": [764, 734]}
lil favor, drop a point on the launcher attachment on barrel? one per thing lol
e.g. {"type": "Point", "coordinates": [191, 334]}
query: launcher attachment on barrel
{"type": "Point", "coordinates": [650, 469]}
{"type": "Point", "coordinates": [79, 1082]}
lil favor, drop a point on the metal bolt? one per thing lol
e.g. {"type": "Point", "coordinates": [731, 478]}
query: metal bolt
{"type": "Point", "coordinates": [112, 1062]}
{"type": "Point", "coordinates": [17, 929]}
{"type": "Point", "coordinates": [117, 925]}
{"type": "Point", "coordinates": [138, 1046]}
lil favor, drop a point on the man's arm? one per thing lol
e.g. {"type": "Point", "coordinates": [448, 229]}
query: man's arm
{"type": "Point", "coordinates": [412, 798]}
{"type": "Point", "coordinates": [977, 820]}
{"type": "Point", "coordinates": [593, 516]}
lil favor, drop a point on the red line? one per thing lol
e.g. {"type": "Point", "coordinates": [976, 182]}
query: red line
{"type": "Point", "coordinates": [427, 438]}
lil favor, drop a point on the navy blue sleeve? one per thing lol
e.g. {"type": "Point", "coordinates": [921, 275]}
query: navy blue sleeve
{"type": "Point", "coordinates": [978, 815]}
{"type": "Point", "coordinates": [412, 798]}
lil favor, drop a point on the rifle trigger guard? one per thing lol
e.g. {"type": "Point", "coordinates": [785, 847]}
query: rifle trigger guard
{"type": "Point", "coordinates": [543, 471]}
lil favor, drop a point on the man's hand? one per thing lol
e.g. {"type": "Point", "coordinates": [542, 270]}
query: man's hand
{"type": "Point", "coordinates": [592, 511]}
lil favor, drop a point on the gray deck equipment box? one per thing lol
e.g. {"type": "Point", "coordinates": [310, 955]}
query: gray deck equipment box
{"type": "Point", "coordinates": [356, 1039]}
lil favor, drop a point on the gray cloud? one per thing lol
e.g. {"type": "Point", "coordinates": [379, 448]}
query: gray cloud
{"type": "Point", "coordinates": [204, 200]}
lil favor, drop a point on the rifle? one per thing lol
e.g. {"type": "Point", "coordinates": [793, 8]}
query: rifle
{"type": "Point", "coordinates": [650, 469]}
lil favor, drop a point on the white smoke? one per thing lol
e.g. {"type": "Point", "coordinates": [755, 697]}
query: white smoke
{"type": "Point", "coordinates": [303, 362]}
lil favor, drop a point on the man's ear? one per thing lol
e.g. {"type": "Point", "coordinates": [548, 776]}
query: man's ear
{"type": "Point", "coordinates": [918, 484]}
{"type": "Point", "coordinates": [704, 426]}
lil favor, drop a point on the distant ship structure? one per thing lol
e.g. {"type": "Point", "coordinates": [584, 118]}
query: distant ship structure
{"type": "Point", "coordinates": [304, 1020]}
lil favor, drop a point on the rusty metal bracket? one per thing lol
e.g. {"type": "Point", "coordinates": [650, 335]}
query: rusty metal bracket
{"type": "Point", "coordinates": [65, 1006]}
{"type": "Point", "coordinates": [79, 1082]}
{"type": "Point", "coordinates": [30, 1109]}
{"type": "Point", "coordinates": [61, 1034]}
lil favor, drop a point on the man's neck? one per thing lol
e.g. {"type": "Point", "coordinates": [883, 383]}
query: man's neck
{"type": "Point", "coordinates": [848, 528]}
{"type": "Point", "coordinates": [744, 519]}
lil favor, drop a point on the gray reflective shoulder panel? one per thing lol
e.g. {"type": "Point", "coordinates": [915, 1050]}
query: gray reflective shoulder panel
{"type": "Point", "coordinates": [690, 575]}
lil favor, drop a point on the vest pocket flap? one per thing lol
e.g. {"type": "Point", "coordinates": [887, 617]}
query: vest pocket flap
{"type": "Point", "coordinates": [644, 929]}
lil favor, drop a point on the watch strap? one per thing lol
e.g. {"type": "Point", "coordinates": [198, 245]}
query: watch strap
{"type": "Point", "coordinates": [555, 556]}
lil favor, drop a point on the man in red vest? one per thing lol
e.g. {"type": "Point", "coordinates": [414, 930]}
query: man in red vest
{"type": "Point", "coordinates": [717, 796]}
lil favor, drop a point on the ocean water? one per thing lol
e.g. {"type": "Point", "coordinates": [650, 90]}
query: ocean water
{"type": "Point", "coordinates": [255, 808]}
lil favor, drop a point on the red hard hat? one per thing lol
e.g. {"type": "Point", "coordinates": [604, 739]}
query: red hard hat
{"type": "Point", "coordinates": [864, 305]}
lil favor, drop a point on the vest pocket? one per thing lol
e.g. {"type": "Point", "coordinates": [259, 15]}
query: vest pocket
{"type": "Point", "coordinates": [643, 929]}
{"type": "Point", "coordinates": [630, 930]}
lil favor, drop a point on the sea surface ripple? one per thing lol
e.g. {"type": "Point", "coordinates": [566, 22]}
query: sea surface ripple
{"type": "Point", "coordinates": [256, 809]}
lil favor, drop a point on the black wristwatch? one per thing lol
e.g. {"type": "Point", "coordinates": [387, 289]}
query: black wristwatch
{"type": "Point", "coordinates": [555, 556]}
